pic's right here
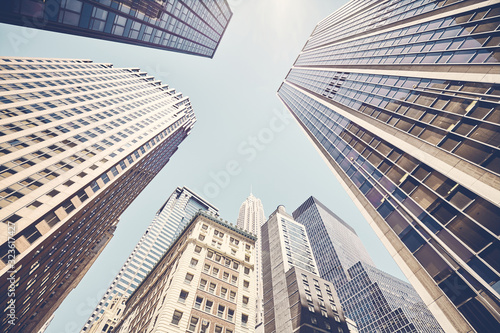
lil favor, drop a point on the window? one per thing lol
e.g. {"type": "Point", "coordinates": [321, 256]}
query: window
{"type": "Point", "coordinates": [328, 326]}
{"type": "Point", "coordinates": [206, 268]}
{"type": "Point", "coordinates": [211, 288]}
{"type": "Point", "coordinates": [225, 276]}
{"type": "Point", "coordinates": [246, 270]}
{"type": "Point", "coordinates": [210, 254]}
{"type": "Point", "coordinates": [205, 324]}
{"type": "Point", "coordinates": [247, 246]}
{"type": "Point", "coordinates": [193, 263]}
{"type": "Point", "coordinates": [203, 284]}
{"type": "Point", "coordinates": [183, 295]}
{"type": "Point", "coordinates": [246, 284]}
{"type": "Point", "coordinates": [201, 237]}
{"type": "Point", "coordinates": [204, 227]}
{"type": "Point", "coordinates": [324, 314]}
{"type": "Point", "coordinates": [220, 310]}
{"type": "Point", "coordinates": [188, 278]}
{"type": "Point", "coordinates": [218, 329]}
{"type": "Point", "coordinates": [245, 300]}
{"type": "Point", "coordinates": [230, 314]}
{"type": "Point", "coordinates": [176, 317]}
{"type": "Point", "coordinates": [215, 271]}
{"type": "Point", "coordinates": [234, 279]}
{"type": "Point", "coordinates": [311, 308]}
{"type": "Point", "coordinates": [192, 324]}
{"type": "Point", "coordinates": [208, 306]}
{"type": "Point", "coordinates": [244, 320]}
{"type": "Point", "coordinates": [247, 258]}
{"type": "Point", "coordinates": [235, 265]}
{"type": "Point", "coordinates": [314, 320]}
{"type": "Point", "coordinates": [232, 296]}
{"type": "Point", "coordinates": [197, 304]}
{"type": "Point", "coordinates": [197, 249]}
{"type": "Point", "coordinates": [337, 318]}
{"type": "Point", "coordinates": [223, 292]}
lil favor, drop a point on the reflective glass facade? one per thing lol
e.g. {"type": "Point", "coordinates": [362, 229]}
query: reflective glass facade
{"type": "Point", "coordinates": [78, 142]}
{"type": "Point", "coordinates": [375, 300]}
{"type": "Point", "coordinates": [193, 27]}
{"type": "Point", "coordinates": [168, 223]}
{"type": "Point", "coordinates": [401, 99]}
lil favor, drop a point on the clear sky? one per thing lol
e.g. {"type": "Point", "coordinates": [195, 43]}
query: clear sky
{"type": "Point", "coordinates": [242, 128]}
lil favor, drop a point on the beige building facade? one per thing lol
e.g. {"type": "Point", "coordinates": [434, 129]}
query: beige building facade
{"type": "Point", "coordinates": [205, 282]}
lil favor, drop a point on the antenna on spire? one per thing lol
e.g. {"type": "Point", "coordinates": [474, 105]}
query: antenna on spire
{"type": "Point", "coordinates": [250, 189]}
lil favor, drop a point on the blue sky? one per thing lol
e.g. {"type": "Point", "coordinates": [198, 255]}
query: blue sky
{"type": "Point", "coordinates": [243, 137]}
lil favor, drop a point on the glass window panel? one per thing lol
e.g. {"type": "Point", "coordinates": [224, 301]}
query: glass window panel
{"type": "Point", "coordinates": [411, 239]}
{"type": "Point", "coordinates": [486, 214]}
{"type": "Point", "coordinates": [455, 246]}
{"type": "Point", "coordinates": [461, 197]}
{"type": "Point", "coordinates": [470, 233]}
{"type": "Point", "coordinates": [473, 152]}
{"type": "Point", "coordinates": [423, 196]}
{"type": "Point", "coordinates": [461, 57]}
{"type": "Point", "coordinates": [488, 134]}
{"type": "Point", "coordinates": [492, 255]}
{"type": "Point", "coordinates": [456, 289]}
{"type": "Point", "coordinates": [431, 135]}
{"type": "Point", "coordinates": [397, 222]}
{"type": "Point", "coordinates": [375, 197]}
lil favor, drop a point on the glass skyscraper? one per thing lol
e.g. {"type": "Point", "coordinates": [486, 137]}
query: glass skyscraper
{"type": "Point", "coordinates": [78, 142]}
{"type": "Point", "coordinates": [250, 218]}
{"type": "Point", "coordinates": [375, 300]}
{"type": "Point", "coordinates": [169, 222]}
{"type": "Point", "coordinates": [401, 98]}
{"type": "Point", "coordinates": [192, 26]}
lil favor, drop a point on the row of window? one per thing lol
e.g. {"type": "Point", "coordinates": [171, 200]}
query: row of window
{"type": "Point", "coordinates": [375, 18]}
{"type": "Point", "coordinates": [201, 325]}
{"type": "Point", "coordinates": [426, 38]}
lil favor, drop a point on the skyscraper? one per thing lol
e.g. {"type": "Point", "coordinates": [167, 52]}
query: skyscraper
{"type": "Point", "coordinates": [401, 99]}
{"type": "Point", "coordinates": [205, 282]}
{"type": "Point", "coordinates": [168, 223]}
{"type": "Point", "coordinates": [296, 298]}
{"type": "Point", "coordinates": [79, 141]}
{"type": "Point", "coordinates": [250, 218]}
{"type": "Point", "coordinates": [375, 300]}
{"type": "Point", "coordinates": [192, 27]}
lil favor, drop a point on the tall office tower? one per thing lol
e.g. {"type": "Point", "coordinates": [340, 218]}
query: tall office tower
{"type": "Point", "coordinates": [374, 299]}
{"type": "Point", "coordinates": [205, 282]}
{"type": "Point", "coordinates": [192, 27]}
{"type": "Point", "coordinates": [250, 218]}
{"type": "Point", "coordinates": [169, 222]}
{"type": "Point", "coordinates": [401, 100]}
{"type": "Point", "coordinates": [79, 141]}
{"type": "Point", "coordinates": [296, 299]}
